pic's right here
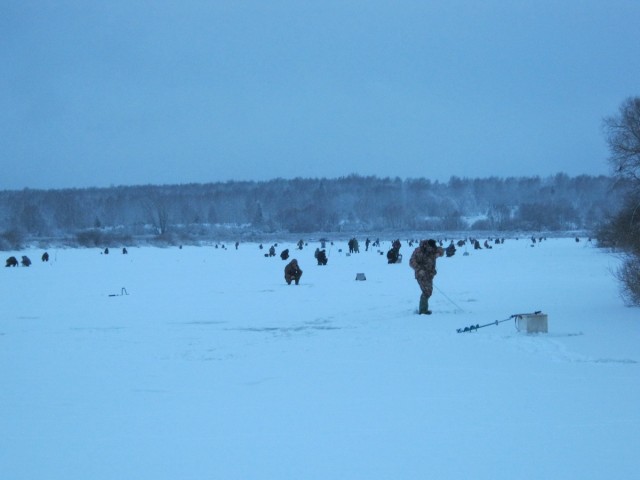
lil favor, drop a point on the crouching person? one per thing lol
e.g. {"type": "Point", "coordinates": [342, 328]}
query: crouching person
{"type": "Point", "coordinates": [292, 272]}
{"type": "Point", "coordinates": [321, 256]}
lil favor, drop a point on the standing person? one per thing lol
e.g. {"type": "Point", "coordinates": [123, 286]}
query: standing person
{"type": "Point", "coordinates": [292, 272]}
{"type": "Point", "coordinates": [423, 262]}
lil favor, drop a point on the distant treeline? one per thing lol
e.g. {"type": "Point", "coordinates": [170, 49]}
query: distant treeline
{"type": "Point", "coordinates": [347, 204]}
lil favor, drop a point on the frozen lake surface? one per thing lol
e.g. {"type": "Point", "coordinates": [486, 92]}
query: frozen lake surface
{"type": "Point", "coordinates": [201, 363]}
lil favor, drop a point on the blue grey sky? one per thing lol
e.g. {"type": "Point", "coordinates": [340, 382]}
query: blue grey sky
{"type": "Point", "coordinates": [126, 92]}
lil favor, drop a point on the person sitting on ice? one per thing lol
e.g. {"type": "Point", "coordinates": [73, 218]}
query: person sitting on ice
{"type": "Point", "coordinates": [450, 250]}
{"type": "Point", "coordinates": [393, 255]}
{"type": "Point", "coordinates": [284, 254]}
{"type": "Point", "coordinates": [292, 272]}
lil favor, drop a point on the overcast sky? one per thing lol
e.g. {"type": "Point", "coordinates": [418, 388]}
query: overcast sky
{"type": "Point", "coordinates": [163, 92]}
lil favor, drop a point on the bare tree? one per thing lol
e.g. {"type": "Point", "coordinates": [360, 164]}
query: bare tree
{"type": "Point", "coordinates": [157, 211]}
{"type": "Point", "coordinates": [623, 137]}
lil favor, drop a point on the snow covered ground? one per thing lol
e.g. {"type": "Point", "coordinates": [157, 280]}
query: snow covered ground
{"type": "Point", "coordinates": [201, 363]}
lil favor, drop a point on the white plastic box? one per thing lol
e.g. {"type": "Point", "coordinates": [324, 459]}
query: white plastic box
{"type": "Point", "coordinates": [532, 322]}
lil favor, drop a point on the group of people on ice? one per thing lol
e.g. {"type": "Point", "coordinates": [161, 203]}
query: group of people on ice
{"type": "Point", "coordinates": [13, 261]}
{"type": "Point", "coordinates": [423, 263]}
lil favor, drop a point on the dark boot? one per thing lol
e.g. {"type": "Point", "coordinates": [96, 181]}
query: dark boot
{"type": "Point", "coordinates": [424, 305]}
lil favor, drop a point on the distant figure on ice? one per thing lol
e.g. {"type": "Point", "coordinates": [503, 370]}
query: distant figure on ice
{"type": "Point", "coordinates": [393, 255]}
{"type": "Point", "coordinates": [284, 254]}
{"type": "Point", "coordinates": [272, 251]}
{"type": "Point", "coordinates": [26, 261]}
{"type": "Point", "coordinates": [354, 247]}
{"type": "Point", "coordinates": [450, 250]}
{"type": "Point", "coordinates": [12, 262]}
{"type": "Point", "coordinates": [321, 256]}
{"type": "Point", "coordinates": [423, 262]}
{"type": "Point", "coordinates": [124, 251]}
{"type": "Point", "coordinates": [45, 257]}
{"type": "Point", "coordinates": [292, 272]}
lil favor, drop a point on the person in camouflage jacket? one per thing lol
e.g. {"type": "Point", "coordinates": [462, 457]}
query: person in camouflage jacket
{"type": "Point", "coordinates": [423, 262]}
